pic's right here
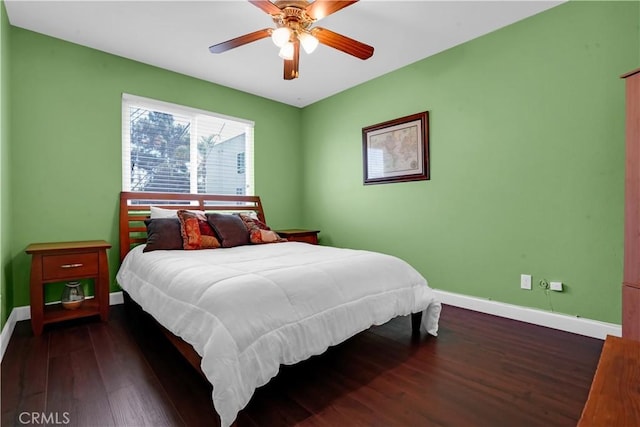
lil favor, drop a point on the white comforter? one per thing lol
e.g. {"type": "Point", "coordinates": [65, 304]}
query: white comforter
{"type": "Point", "coordinates": [248, 309]}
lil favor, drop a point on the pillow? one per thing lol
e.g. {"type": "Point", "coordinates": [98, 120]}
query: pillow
{"type": "Point", "coordinates": [196, 232]}
{"type": "Point", "coordinates": [250, 219]}
{"type": "Point", "coordinates": [163, 234]}
{"type": "Point", "coordinates": [163, 213]}
{"type": "Point", "coordinates": [157, 212]}
{"type": "Point", "coordinates": [230, 229]}
{"type": "Point", "coordinates": [259, 232]}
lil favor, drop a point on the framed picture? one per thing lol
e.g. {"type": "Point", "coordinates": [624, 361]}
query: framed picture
{"type": "Point", "coordinates": [397, 150]}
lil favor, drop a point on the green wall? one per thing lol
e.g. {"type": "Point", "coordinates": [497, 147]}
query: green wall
{"type": "Point", "coordinates": [6, 291]}
{"type": "Point", "coordinates": [527, 162]}
{"type": "Point", "coordinates": [66, 143]}
{"type": "Point", "coordinates": [527, 136]}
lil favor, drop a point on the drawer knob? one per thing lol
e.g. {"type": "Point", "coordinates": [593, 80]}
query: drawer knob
{"type": "Point", "coordinates": [71, 265]}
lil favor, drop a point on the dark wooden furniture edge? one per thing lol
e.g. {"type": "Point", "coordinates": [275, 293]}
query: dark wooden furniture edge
{"type": "Point", "coordinates": [630, 73]}
{"type": "Point", "coordinates": [299, 235]}
{"type": "Point", "coordinates": [631, 267]}
{"type": "Point", "coordinates": [614, 400]}
{"type": "Point", "coordinates": [61, 247]}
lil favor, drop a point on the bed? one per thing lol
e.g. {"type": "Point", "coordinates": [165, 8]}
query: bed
{"type": "Point", "coordinates": [238, 313]}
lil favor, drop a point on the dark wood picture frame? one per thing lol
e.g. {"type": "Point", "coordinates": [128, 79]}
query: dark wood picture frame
{"type": "Point", "coordinates": [396, 150]}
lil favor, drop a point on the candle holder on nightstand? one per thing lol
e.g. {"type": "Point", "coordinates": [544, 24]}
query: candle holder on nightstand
{"type": "Point", "coordinates": [72, 295]}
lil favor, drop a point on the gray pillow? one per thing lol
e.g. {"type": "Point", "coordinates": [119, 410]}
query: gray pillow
{"type": "Point", "coordinates": [230, 229]}
{"type": "Point", "coordinates": [163, 234]}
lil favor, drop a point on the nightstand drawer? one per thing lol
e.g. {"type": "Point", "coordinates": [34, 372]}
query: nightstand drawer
{"type": "Point", "coordinates": [305, 238]}
{"type": "Point", "coordinates": [300, 235]}
{"type": "Point", "coordinates": [69, 265]}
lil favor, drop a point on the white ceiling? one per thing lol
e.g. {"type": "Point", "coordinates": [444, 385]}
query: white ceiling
{"type": "Point", "coordinates": [175, 35]}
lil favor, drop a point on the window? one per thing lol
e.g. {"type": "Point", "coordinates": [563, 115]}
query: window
{"type": "Point", "coordinates": [172, 148]}
{"type": "Point", "coordinates": [240, 163]}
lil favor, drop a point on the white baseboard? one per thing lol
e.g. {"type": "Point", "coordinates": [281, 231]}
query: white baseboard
{"type": "Point", "coordinates": [24, 313]}
{"type": "Point", "coordinates": [563, 322]}
{"type": "Point", "coordinates": [116, 298]}
{"type": "Point", "coordinates": [7, 331]}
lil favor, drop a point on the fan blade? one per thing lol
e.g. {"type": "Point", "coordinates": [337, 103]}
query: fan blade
{"type": "Point", "coordinates": [239, 41]}
{"type": "Point", "coordinates": [266, 6]}
{"type": "Point", "coordinates": [321, 8]}
{"type": "Point", "coordinates": [291, 65]}
{"type": "Point", "coordinates": [343, 43]}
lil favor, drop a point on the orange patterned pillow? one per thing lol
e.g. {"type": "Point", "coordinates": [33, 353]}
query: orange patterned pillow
{"type": "Point", "coordinates": [259, 232]}
{"type": "Point", "coordinates": [258, 236]}
{"type": "Point", "coordinates": [196, 231]}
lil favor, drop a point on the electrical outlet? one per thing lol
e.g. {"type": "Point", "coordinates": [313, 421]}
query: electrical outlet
{"type": "Point", "coordinates": [555, 286]}
{"type": "Point", "coordinates": [525, 281]}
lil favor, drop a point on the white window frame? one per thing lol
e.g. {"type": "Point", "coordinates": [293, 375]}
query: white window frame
{"type": "Point", "coordinates": [129, 100]}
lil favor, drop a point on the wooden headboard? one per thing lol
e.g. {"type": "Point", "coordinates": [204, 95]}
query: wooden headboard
{"type": "Point", "coordinates": [135, 208]}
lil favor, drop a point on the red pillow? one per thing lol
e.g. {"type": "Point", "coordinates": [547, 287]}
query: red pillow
{"type": "Point", "coordinates": [196, 231]}
{"type": "Point", "coordinates": [259, 232]}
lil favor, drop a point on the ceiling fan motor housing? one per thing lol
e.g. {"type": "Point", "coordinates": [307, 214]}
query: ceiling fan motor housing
{"type": "Point", "coordinates": [294, 18]}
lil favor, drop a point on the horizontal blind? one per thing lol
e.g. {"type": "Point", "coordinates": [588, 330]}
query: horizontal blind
{"type": "Point", "coordinates": [173, 148]}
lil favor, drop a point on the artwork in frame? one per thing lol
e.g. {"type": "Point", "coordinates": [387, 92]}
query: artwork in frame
{"type": "Point", "coordinates": [397, 150]}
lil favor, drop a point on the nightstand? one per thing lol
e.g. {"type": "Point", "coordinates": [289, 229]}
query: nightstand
{"type": "Point", "coordinates": [68, 261]}
{"type": "Point", "coordinates": [300, 235]}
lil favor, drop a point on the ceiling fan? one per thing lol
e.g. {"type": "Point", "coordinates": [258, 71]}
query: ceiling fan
{"type": "Point", "coordinates": [294, 20]}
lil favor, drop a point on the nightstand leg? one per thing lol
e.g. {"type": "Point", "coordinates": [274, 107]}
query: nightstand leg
{"type": "Point", "coordinates": [37, 296]}
{"type": "Point", "coordinates": [102, 290]}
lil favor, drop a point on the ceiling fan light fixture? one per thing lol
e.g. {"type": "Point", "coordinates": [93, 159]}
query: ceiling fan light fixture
{"type": "Point", "coordinates": [281, 36]}
{"type": "Point", "coordinates": [294, 26]}
{"type": "Point", "coordinates": [308, 42]}
{"type": "Point", "coordinates": [286, 51]}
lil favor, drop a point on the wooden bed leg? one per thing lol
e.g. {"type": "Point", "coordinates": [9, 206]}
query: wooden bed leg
{"type": "Point", "coordinates": [130, 306]}
{"type": "Point", "coordinates": [416, 319]}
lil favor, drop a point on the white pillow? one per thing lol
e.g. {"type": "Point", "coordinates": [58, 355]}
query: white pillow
{"type": "Point", "coordinates": [167, 213]}
{"type": "Point", "coordinates": [163, 213]}
{"type": "Point", "coordinates": [157, 212]}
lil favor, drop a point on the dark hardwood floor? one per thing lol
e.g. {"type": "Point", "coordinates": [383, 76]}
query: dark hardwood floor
{"type": "Point", "coordinates": [480, 371]}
